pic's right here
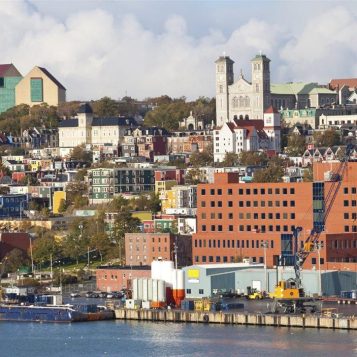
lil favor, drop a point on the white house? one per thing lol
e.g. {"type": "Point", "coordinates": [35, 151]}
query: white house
{"type": "Point", "coordinates": [247, 135]}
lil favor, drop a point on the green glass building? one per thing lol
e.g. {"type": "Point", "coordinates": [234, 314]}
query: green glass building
{"type": "Point", "coordinates": [9, 78]}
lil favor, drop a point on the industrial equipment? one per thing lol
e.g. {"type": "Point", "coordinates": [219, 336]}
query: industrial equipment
{"type": "Point", "coordinates": [289, 295]}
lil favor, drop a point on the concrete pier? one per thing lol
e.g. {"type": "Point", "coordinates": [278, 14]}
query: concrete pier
{"type": "Point", "coordinates": [236, 318]}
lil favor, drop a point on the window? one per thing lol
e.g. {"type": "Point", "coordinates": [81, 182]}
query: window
{"type": "Point", "coordinates": [36, 87]}
{"type": "Point", "coordinates": [220, 228]}
{"type": "Point", "coordinates": [219, 192]}
{"type": "Point", "coordinates": [313, 261]}
{"type": "Point", "coordinates": [347, 228]}
{"type": "Point", "coordinates": [241, 204]}
{"type": "Point", "coordinates": [270, 191]}
{"type": "Point", "coordinates": [230, 203]}
{"type": "Point", "coordinates": [292, 203]}
{"type": "Point", "coordinates": [230, 215]}
{"type": "Point", "coordinates": [219, 215]}
{"type": "Point", "coordinates": [229, 191]}
{"type": "Point", "coordinates": [270, 203]}
{"type": "Point", "coordinates": [353, 189]}
{"type": "Point", "coordinates": [345, 203]}
{"type": "Point", "coordinates": [270, 215]}
{"type": "Point", "coordinates": [2, 82]}
{"type": "Point", "coordinates": [277, 228]}
{"type": "Point", "coordinates": [262, 203]}
{"type": "Point", "coordinates": [230, 228]}
{"type": "Point", "coordinates": [262, 191]}
{"type": "Point", "coordinates": [210, 259]}
{"type": "Point", "coordinates": [271, 228]}
{"type": "Point", "coordinates": [240, 191]}
{"type": "Point", "coordinates": [285, 191]}
{"type": "Point", "coordinates": [241, 215]}
{"type": "Point", "coordinates": [346, 216]}
{"type": "Point", "coordinates": [248, 191]}
{"type": "Point", "coordinates": [277, 191]}
{"type": "Point", "coordinates": [255, 203]}
{"type": "Point", "coordinates": [263, 215]}
{"type": "Point", "coordinates": [255, 216]}
{"type": "Point", "coordinates": [203, 204]}
{"type": "Point", "coordinates": [277, 203]}
{"type": "Point", "coordinates": [249, 228]}
{"type": "Point", "coordinates": [201, 291]}
{"type": "Point", "coordinates": [241, 228]}
{"type": "Point", "coordinates": [255, 191]}
{"type": "Point", "coordinates": [292, 191]}
{"type": "Point", "coordinates": [292, 215]}
{"type": "Point", "coordinates": [277, 215]}
{"type": "Point", "coordinates": [219, 203]}
{"type": "Point", "coordinates": [212, 191]}
{"type": "Point", "coordinates": [213, 203]}
{"type": "Point", "coordinates": [203, 228]}
{"type": "Point", "coordinates": [345, 190]}
{"type": "Point", "coordinates": [188, 291]}
{"type": "Point", "coordinates": [247, 203]}
{"type": "Point", "coordinates": [285, 203]}
{"type": "Point", "coordinates": [213, 228]}
{"type": "Point", "coordinates": [203, 191]}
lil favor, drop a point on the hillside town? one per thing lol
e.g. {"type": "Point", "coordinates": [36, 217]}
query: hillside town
{"type": "Point", "coordinates": [108, 187]}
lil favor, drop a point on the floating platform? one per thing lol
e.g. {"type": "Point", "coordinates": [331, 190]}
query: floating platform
{"type": "Point", "coordinates": [235, 318]}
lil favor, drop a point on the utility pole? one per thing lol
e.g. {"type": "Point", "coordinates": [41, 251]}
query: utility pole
{"type": "Point", "coordinates": [265, 245]}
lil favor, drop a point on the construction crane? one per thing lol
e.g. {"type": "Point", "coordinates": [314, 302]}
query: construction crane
{"type": "Point", "coordinates": [289, 295]}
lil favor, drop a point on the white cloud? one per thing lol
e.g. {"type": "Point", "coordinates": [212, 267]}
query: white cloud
{"type": "Point", "coordinates": [96, 52]}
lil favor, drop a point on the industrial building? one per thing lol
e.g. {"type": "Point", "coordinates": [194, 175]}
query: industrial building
{"type": "Point", "coordinates": [209, 279]}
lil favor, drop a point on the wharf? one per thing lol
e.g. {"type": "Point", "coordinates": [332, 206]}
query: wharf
{"type": "Point", "coordinates": [237, 318]}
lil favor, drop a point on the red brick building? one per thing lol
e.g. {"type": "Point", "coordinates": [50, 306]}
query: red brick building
{"type": "Point", "coordinates": [115, 278]}
{"type": "Point", "coordinates": [143, 248]}
{"type": "Point", "coordinates": [10, 241]}
{"type": "Point", "coordinates": [233, 219]}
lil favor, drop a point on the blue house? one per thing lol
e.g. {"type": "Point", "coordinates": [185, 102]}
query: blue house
{"type": "Point", "coordinates": [13, 205]}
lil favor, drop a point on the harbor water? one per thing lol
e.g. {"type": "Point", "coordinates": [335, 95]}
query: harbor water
{"type": "Point", "coordinates": [131, 338]}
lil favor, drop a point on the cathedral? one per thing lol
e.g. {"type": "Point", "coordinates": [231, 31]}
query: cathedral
{"type": "Point", "coordinates": [242, 99]}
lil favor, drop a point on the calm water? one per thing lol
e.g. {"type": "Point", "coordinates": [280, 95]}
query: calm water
{"type": "Point", "coordinates": [118, 338]}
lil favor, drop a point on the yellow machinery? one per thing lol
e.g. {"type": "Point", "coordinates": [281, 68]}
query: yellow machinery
{"type": "Point", "coordinates": [255, 295]}
{"type": "Point", "coordinates": [287, 289]}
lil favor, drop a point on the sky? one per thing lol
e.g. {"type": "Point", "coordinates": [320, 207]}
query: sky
{"type": "Point", "coordinates": [149, 48]}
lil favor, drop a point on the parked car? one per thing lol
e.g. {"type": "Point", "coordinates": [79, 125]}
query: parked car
{"type": "Point", "coordinates": [75, 294]}
{"type": "Point", "coordinates": [103, 295]}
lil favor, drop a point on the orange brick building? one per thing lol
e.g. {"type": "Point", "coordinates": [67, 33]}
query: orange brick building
{"type": "Point", "coordinates": [143, 248]}
{"type": "Point", "coordinates": [233, 219]}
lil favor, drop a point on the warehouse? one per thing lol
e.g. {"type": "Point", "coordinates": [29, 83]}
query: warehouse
{"type": "Point", "coordinates": [206, 280]}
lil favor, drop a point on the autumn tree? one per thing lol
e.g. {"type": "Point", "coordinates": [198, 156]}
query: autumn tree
{"type": "Point", "coordinates": [204, 158]}
{"type": "Point", "coordinates": [230, 159]}
{"type": "Point", "coordinates": [254, 158]}
{"type": "Point", "coordinates": [106, 107]}
{"type": "Point", "coordinates": [81, 154]}
{"type": "Point", "coordinates": [272, 173]}
{"type": "Point", "coordinates": [329, 137]}
{"type": "Point", "coordinates": [296, 145]}
{"type": "Point", "coordinates": [44, 247]}
{"type": "Point", "coordinates": [14, 260]}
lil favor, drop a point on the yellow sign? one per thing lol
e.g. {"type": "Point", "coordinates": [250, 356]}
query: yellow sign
{"type": "Point", "coordinates": [193, 273]}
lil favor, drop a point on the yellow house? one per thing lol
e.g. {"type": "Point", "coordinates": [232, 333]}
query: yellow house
{"type": "Point", "coordinates": [168, 199]}
{"type": "Point", "coordinates": [39, 86]}
{"type": "Point", "coordinates": [164, 185]}
{"type": "Point", "coordinates": [58, 196]}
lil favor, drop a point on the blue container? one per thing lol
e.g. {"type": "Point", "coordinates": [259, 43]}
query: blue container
{"type": "Point", "coordinates": [231, 306]}
{"type": "Point", "coordinates": [187, 305]}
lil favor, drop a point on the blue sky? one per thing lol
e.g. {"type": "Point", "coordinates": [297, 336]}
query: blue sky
{"type": "Point", "coordinates": [149, 48]}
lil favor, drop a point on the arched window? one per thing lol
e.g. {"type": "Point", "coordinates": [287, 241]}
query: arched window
{"type": "Point", "coordinates": [241, 101]}
{"type": "Point", "coordinates": [235, 102]}
{"type": "Point", "coordinates": [247, 101]}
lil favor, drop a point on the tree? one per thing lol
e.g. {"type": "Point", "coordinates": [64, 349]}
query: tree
{"type": "Point", "coordinates": [296, 145]}
{"type": "Point", "coordinates": [154, 203]}
{"type": "Point", "coordinates": [308, 174]}
{"type": "Point", "coordinates": [204, 158]}
{"type": "Point", "coordinates": [79, 153]}
{"type": "Point", "coordinates": [62, 206]}
{"type": "Point", "coordinates": [327, 138]}
{"type": "Point", "coordinates": [254, 158]}
{"type": "Point", "coordinates": [44, 247]}
{"type": "Point", "coordinates": [193, 176]}
{"type": "Point", "coordinates": [106, 107]}
{"type": "Point", "coordinates": [230, 159]}
{"type": "Point", "coordinates": [272, 173]}
{"type": "Point", "coordinates": [14, 260]}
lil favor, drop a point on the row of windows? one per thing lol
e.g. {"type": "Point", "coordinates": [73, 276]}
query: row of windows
{"type": "Point", "coordinates": [200, 291]}
{"type": "Point", "coordinates": [252, 204]}
{"type": "Point", "coordinates": [344, 244]}
{"type": "Point", "coordinates": [250, 228]}
{"type": "Point", "coordinates": [248, 215]}
{"type": "Point", "coordinates": [248, 191]}
{"type": "Point", "coordinates": [230, 243]}
{"type": "Point", "coordinates": [346, 190]}
{"type": "Point", "coordinates": [223, 259]}
{"type": "Point", "coordinates": [347, 203]}
{"type": "Point", "coordinates": [347, 216]}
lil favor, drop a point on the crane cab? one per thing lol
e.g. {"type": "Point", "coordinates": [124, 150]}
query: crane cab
{"type": "Point", "coordinates": [287, 289]}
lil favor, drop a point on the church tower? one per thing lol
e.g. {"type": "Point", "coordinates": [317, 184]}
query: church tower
{"type": "Point", "coordinates": [224, 78]}
{"type": "Point", "coordinates": [261, 97]}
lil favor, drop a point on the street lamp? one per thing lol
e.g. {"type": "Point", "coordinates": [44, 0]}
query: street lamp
{"type": "Point", "coordinates": [265, 245]}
